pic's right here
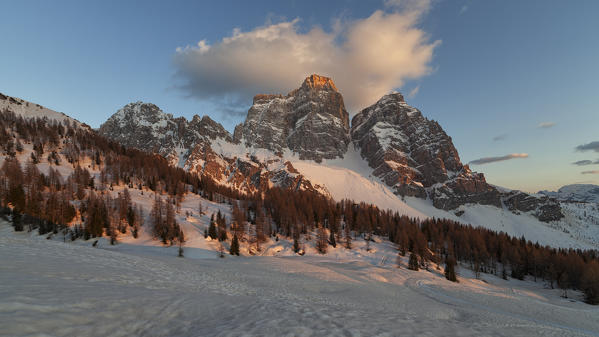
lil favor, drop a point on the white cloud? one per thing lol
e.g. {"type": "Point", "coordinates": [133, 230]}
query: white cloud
{"type": "Point", "coordinates": [487, 160]}
{"type": "Point", "coordinates": [366, 58]}
{"type": "Point", "coordinates": [414, 92]}
{"type": "Point", "coordinates": [463, 10]}
{"type": "Point", "coordinates": [546, 125]}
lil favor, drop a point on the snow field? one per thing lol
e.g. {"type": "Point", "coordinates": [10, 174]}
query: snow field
{"type": "Point", "coordinates": [49, 288]}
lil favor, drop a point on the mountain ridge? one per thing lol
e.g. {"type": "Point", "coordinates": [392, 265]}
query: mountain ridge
{"type": "Point", "coordinates": [409, 153]}
{"type": "Point", "coordinates": [242, 170]}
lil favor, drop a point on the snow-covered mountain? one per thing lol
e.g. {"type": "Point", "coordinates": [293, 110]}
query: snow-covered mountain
{"type": "Point", "coordinates": [27, 109]}
{"type": "Point", "coordinates": [398, 147]}
{"type": "Point", "coordinates": [214, 153]}
{"type": "Point", "coordinates": [575, 192]}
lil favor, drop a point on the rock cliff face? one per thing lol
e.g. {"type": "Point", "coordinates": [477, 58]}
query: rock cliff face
{"type": "Point", "coordinates": [408, 152]}
{"type": "Point", "coordinates": [310, 121]}
{"type": "Point", "coordinates": [190, 144]}
{"type": "Point", "coordinates": [415, 157]}
{"type": "Point", "coordinates": [544, 208]}
{"type": "Point", "coordinates": [144, 126]}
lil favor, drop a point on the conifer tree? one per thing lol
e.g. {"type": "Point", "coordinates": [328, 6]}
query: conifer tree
{"type": "Point", "coordinates": [181, 241]}
{"type": "Point", "coordinates": [332, 241]}
{"type": "Point", "coordinates": [348, 238]}
{"type": "Point", "coordinates": [450, 269]}
{"type": "Point", "coordinates": [413, 262]}
{"type": "Point", "coordinates": [17, 221]}
{"type": "Point", "coordinates": [234, 249]}
{"type": "Point", "coordinates": [321, 240]}
{"type": "Point", "coordinates": [212, 231]}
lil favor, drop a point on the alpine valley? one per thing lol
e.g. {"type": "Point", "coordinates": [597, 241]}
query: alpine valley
{"type": "Point", "coordinates": [329, 226]}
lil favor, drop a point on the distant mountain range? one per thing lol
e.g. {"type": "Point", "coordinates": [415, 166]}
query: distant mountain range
{"type": "Point", "coordinates": [575, 192]}
{"type": "Point", "coordinates": [389, 155]}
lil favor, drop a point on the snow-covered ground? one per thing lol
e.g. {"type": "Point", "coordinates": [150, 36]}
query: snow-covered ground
{"type": "Point", "coordinates": [51, 288]}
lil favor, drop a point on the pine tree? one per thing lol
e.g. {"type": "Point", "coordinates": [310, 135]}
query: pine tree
{"type": "Point", "coordinates": [221, 250]}
{"type": "Point", "coordinates": [413, 262]}
{"type": "Point", "coordinates": [321, 240]}
{"type": "Point", "coordinates": [234, 249]}
{"type": "Point", "coordinates": [347, 237]}
{"type": "Point", "coordinates": [450, 269]}
{"type": "Point", "coordinates": [212, 231]}
{"type": "Point", "coordinates": [181, 241]}
{"type": "Point", "coordinates": [17, 222]}
{"type": "Point", "coordinates": [564, 283]}
{"type": "Point", "coordinates": [332, 241]}
{"type": "Point", "coordinates": [296, 245]}
{"type": "Point", "coordinates": [590, 283]}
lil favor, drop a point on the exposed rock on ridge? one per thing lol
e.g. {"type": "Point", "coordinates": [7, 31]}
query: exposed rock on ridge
{"type": "Point", "coordinates": [415, 157]}
{"type": "Point", "coordinates": [144, 126]}
{"type": "Point", "coordinates": [189, 144]}
{"type": "Point", "coordinates": [409, 153]}
{"type": "Point", "coordinates": [310, 121]}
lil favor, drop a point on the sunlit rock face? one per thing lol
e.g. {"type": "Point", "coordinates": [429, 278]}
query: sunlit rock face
{"type": "Point", "coordinates": [408, 152]}
{"type": "Point", "coordinates": [415, 156]}
{"type": "Point", "coordinates": [310, 121]}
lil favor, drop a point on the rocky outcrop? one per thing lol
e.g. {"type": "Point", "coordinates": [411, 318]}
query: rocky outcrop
{"type": "Point", "coordinates": [415, 157]}
{"type": "Point", "coordinates": [190, 144]}
{"type": "Point", "coordinates": [144, 126]}
{"type": "Point", "coordinates": [310, 121]}
{"type": "Point", "coordinates": [544, 208]}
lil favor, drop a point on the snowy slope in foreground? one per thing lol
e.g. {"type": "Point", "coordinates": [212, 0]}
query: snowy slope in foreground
{"type": "Point", "coordinates": [53, 288]}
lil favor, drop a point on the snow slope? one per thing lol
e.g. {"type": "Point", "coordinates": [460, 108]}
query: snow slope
{"type": "Point", "coordinates": [71, 289]}
{"type": "Point", "coordinates": [32, 110]}
{"type": "Point", "coordinates": [351, 178]}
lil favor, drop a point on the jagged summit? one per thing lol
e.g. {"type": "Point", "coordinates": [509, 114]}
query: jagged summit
{"type": "Point", "coordinates": [415, 157]}
{"type": "Point", "coordinates": [318, 82]}
{"type": "Point", "coordinates": [394, 96]}
{"type": "Point", "coordinates": [146, 127]}
{"type": "Point", "coordinates": [310, 121]}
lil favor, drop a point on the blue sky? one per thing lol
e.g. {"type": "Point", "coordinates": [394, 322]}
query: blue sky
{"type": "Point", "coordinates": [488, 69]}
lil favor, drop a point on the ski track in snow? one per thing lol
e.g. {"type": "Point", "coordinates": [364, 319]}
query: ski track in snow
{"type": "Point", "coordinates": [49, 288]}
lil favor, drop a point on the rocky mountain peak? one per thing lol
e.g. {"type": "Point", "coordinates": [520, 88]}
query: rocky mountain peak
{"type": "Point", "coordinates": [146, 127]}
{"type": "Point", "coordinates": [317, 82]}
{"type": "Point", "coordinates": [310, 121]}
{"type": "Point", "coordinates": [415, 156]}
